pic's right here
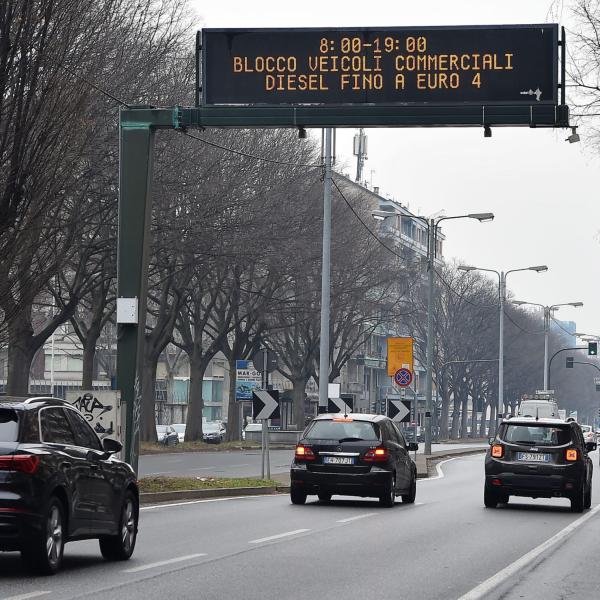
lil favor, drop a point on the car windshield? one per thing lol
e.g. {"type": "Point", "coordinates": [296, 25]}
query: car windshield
{"type": "Point", "coordinates": [537, 435]}
{"type": "Point", "coordinates": [179, 427]}
{"type": "Point", "coordinates": [210, 427]}
{"type": "Point", "coordinates": [9, 425]}
{"type": "Point", "coordinates": [343, 430]}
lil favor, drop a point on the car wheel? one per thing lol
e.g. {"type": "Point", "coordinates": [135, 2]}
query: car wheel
{"type": "Point", "coordinates": [388, 498]}
{"type": "Point", "coordinates": [578, 500]}
{"type": "Point", "coordinates": [121, 546]}
{"type": "Point", "coordinates": [297, 496]}
{"type": "Point", "coordinates": [490, 499]}
{"type": "Point", "coordinates": [412, 494]}
{"type": "Point", "coordinates": [324, 497]}
{"type": "Point", "coordinates": [45, 552]}
{"type": "Point", "coordinates": [587, 501]}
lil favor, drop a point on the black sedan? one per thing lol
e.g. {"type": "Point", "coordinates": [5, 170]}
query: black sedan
{"type": "Point", "coordinates": [59, 483]}
{"type": "Point", "coordinates": [353, 455]}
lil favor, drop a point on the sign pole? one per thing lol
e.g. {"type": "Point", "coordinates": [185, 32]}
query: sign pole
{"type": "Point", "coordinates": [266, 421]}
{"type": "Point", "coordinates": [325, 281]}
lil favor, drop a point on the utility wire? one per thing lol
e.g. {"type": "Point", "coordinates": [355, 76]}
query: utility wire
{"type": "Point", "coordinates": [369, 230]}
{"type": "Point", "coordinates": [253, 156]}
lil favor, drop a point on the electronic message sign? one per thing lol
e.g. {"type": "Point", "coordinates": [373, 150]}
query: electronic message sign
{"type": "Point", "coordinates": [505, 65]}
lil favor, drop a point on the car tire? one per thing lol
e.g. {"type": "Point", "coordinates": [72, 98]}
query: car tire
{"type": "Point", "coordinates": [122, 545]}
{"type": "Point", "coordinates": [44, 553]}
{"type": "Point", "coordinates": [324, 497]}
{"type": "Point", "coordinates": [587, 500]}
{"type": "Point", "coordinates": [297, 496]}
{"type": "Point", "coordinates": [490, 499]}
{"type": "Point", "coordinates": [578, 500]}
{"type": "Point", "coordinates": [388, 498]}
{"type": "Point", "coordinates": [412, 494]}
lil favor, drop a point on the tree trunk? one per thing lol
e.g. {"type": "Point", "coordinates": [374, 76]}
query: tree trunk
{"type": "Point", "coordinates": [298, 394]}
{"type": "Point", "coordinates": [455, 416]}
{"type": "Point", "coordinates": [20, 353]}
{"type": "Point", "coordinates": [233, 411]}
{"type": "Point", "coordinates": [148, 418]}
{"type": "Point", "coordinates": [483, 421]}
{"type": "Point", "coordinates": [474, 415]}
{"type": "Point", "coordinates": [89, 354]}
{"type": "Point", "coordinates": [193, 429]}
{"type": "Point", "coordinates": [444, 418]}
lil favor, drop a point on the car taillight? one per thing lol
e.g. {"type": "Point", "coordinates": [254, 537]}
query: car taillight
{"type": "Point", "coordinates": [571, 454]}
{"type": "Point", "coordinates": [304, 453]}
{"type": "Point", "coordinates": [24, 463]}
{"type": "Point", "coordinates": [497, 451]}
{"type": "Point", "coordinates": [376, 455]}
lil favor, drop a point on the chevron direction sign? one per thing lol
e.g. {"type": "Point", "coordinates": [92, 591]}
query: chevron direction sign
{"type": "Point", "coordinates": [399, 410]}
{"type": "Point", "coordinates": [265, 404]}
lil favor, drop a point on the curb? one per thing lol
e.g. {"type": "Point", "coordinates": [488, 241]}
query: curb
{"type": "Point", "coordinates": [433, 458]}
{"type": "Point", "coordinates": [155, 497]}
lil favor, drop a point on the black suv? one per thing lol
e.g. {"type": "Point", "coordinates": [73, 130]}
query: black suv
{"type": "Point", "coordinates": [59, 483]}
{"type": "Point", "coordinates": [353, 455]}
{"type": "Point", "coordinates": [539, 458]}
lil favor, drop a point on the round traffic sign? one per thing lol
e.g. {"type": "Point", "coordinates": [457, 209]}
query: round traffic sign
{"type": "Point", "coordinates": [403, 377]}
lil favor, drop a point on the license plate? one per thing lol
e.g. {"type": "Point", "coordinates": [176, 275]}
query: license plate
{"type": "Point", "coordinates": [533, 457]}
{"type": "Point", "coordinates": [338, 460]}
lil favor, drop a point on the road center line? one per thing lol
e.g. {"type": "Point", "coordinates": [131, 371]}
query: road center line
{"type": "Point", "coordinates": [484, 588]}
{"type": "Point", "coordinates": [27, 596]}
{"type": "Point", "coordinates": [350, 519]}
{"type": "Point", "coordinates": [278, 536]}
{"type": "Point", "coordinates": [162, 563]}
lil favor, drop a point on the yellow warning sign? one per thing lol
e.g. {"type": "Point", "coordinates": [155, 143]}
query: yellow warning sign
{"type": "Point", "coordinates": [399, 354]}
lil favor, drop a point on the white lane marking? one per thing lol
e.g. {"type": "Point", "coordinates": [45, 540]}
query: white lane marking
{"type": "Point", "coordinates": [350, 519]}
{"type": "Point", "coordinates": [438, 468]}
{"type": "Point", "coordinates": [156, 506]}
{"type": "Point", "coordinates": [278, 536]}
{"type": "Point", "coordinates": [484, 588]}
{"type": "Point", "coordinates": [162, 563]}
{"type": "Point", "coordinates": [27, 596]}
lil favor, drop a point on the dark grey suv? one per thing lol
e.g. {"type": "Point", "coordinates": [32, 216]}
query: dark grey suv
{"type": "Point", "coordinates": [539, 458]}
{"type": "Point", "coordinates": [59, 483]}
{"type": "Point", "coordinates": [353, 455]}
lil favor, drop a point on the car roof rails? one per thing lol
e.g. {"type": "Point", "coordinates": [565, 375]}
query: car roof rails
{"type": "Point", "coordinates": [36, 399]}
{"type": "Point", "coordinates": [570, 420]}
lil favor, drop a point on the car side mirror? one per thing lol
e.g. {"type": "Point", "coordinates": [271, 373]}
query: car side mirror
{"type": "Point", "coordinates": [111, 446]}
{"type": "Point", "coordinates": [491, 440]}
{"type": "Point", "coordinates": [590, 446]}
{"type": "Point", "coordinates": [413, 446]}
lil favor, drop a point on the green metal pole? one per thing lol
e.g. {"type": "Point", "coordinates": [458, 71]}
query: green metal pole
{"type": "Point", "coordinates": [135, 208]}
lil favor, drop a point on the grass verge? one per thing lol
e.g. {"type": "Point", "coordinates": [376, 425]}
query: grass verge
{"type": "Point", "coordinates": [177, 484]}
{"type": "Point", "coordinates": [155, 448]}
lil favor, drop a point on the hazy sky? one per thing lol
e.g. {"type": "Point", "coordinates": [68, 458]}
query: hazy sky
{"type": "Point", "coordinates": [541, 188]}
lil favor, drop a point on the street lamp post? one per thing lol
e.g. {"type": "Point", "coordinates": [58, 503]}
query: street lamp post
{"type": "Point", "coordinates": [432, 225]}
{"type": "Point", "coordinates": [548, 310]}
{"type": "Point", "coordinates": [502, 275]}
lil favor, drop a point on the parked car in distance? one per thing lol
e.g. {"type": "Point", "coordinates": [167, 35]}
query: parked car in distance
{"type": "Point", "coordinates": [167, 435]}
{"type": "Point", "coordinates": [180, 430]}
{"type": "Point", "coordinates": [539, 458]}
{"type": "Point", "coordinates": [60, 483]}
{"type": "Point", "coordinates": [213, 432]}
{"type": "Point", "coordinates": [353, 455]}
{"type": "Point", "coordinates": [251, 427]}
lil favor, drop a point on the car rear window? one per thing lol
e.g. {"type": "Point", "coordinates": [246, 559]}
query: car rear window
{"type": "Point", "coordinates": [340, 430]}
{"type": "Point", "coordinates": [9, 425]}
{"type": "Point", "coordinates": [537, 435]}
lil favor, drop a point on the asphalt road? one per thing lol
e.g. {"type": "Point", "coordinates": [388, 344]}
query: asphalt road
{"type": "Point", "coordinates": [229, 464]}
{"type": "Point", "coordinates": [264, 548]}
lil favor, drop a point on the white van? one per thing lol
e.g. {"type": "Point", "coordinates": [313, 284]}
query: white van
{"type": "Point", "coordinates": [541, 408]}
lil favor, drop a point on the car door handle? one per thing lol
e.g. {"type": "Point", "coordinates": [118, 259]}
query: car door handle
{"type": "Point", "coordinates": [94, 467]}
{"type": "Point", "coordinates": [66, 465]}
